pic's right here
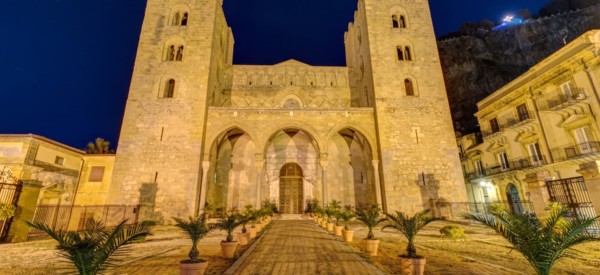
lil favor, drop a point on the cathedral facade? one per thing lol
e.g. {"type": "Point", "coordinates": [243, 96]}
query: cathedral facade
{"type": "Point", "coordinates": [199, 130]}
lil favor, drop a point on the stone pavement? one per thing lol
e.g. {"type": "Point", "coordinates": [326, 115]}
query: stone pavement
{"type": "Point", "coordinates": [300, 247]}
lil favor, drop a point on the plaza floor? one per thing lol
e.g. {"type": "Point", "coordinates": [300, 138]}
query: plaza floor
{"type": "Point", "coordinates": [300, 247]}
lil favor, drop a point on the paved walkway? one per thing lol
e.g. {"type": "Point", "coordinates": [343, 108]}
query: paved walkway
{"type": "Point", "coordinates": [300, 247]}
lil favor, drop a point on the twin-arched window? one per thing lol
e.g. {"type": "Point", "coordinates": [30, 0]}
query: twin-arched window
{"type": "Point", "coordinates": [180, 19]}
{"type": "Point", "coordinates": [404, 53]}
{"type": "Point", "coordinates": [399, 22]}
{"type": "Point", "coordinates": [174, 53]}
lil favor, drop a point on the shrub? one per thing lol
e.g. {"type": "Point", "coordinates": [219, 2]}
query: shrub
{"type": "Point", "coordinates": [7, 211]}
{"type": "Point", "coordinates": [452, 231]}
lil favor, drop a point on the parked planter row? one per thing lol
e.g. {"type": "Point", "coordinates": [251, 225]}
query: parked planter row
{"type": "Point", "coordinates": [198, 227]}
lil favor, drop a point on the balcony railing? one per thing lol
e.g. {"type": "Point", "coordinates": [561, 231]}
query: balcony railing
{"type": "Point", "coordinates": [576, 151]}
{"type": "Point", "coordinates": [515, 164]}
{"type": "Point", "coordinates": [562, 101]}
{"type": "Point", "coordinates": [514, 122]}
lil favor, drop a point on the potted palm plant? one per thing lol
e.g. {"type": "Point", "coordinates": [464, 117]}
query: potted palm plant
{"type": "Point", "coordinates": [347, 215]}
{"type": "Point", "coordinates": [196, 228]}
{"type": "Point", "coordinates": [410, 263]}
{"type": "Point", "coordinates": [541, 242]}
{"type": "Point", "coordinates": [90, 250]}
{"type": "Point", "coordinates": [311, 207]}
{"type": "Point", "coordinates": [370, 216]}
{"type": "Point", "coordinates": [331, 212]}
{"type": "Point", "coordinates": [245, 217]}
{"type": "Point", "coordinates": [228, 222]}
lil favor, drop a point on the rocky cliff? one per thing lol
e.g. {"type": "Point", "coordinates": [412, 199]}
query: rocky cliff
{"type": "Point", "coordinates": [477, 65]}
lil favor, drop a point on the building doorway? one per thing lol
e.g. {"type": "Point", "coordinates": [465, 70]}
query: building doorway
{"type": "Point", "coordinates": [291, 189]}
{"type": "Point", "coordinates": [514, 200]}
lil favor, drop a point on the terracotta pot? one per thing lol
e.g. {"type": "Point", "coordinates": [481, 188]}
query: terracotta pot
{"type": "Point", "coordinates": [324, 224]}
{"type": "Point", "coordinates": [192, 268]}
{"type": "Point", "coordinates": [243, 238]}
{"type": "Point", "coordinates": [319, 220]}
{"type": "Point", "coordinates": [338, 230]}
{"type": "Point", "coordinates": [228, 249]}
{"type": "Point", "coordinates": [371, 246]}
{"type": "Point", "coordinates": [252, 233]}
{"type": "Point", "coordinates": [348, 235]}
{"type": "Point", "coordinates": [330, 226]}
{"type": "Point", "coordinates": [258, 227]}
{"type": "Point", "coordinates": [412, 266]}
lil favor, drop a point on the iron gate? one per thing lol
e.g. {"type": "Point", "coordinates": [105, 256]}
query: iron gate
{"type": "Point", "coordinates": [9, 194]}
{"type": "Point", "coordinates": [574, 194]}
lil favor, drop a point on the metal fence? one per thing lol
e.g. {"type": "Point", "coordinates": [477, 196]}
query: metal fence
{"type": "Point", "coordinates": [9, 194]}
{"type": "Point", "coordinates": [76, 217]}
{"type": "Point", "coordinates": [573, 193]}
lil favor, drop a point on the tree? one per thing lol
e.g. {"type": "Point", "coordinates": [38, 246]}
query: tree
{"type": "Point", "coordinates": [99, 146]}
{"type": "Point", "coordinates": [93, 249]}
{"type": "Point", "coordinates": [196, 228]}
{"type": "Point", "coordinates": [541, 242]}
{"type": "Point", "coordinates": [370, 217]}
{"type": "Point", "coordinates": [409, 227]}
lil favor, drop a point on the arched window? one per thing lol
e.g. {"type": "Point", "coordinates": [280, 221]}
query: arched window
{"type": "Point", "coordinates": [184, 19]}
{"type": "Point", "coordinates": [410, 89]}
{"type": "Point", "coordinates": [400, 53]}
{"type": "Point", "coordinates": [176, 19]}
{"type": "Point", "coordinates": [395, 22]}
{"type": "Point", "coordinates": [179, 56]}
{"type": "Point", "coordinates": [407, 53]}
{"type": "Point", "coordinates": [170, 53]}
{"type": "Point", "coordinates": [169, 89]}
{"type": "Point", "coordinates": [402, 22]}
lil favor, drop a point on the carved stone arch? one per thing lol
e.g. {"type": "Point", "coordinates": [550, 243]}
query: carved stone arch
{"type": "Point", "coordinates": [213, 136]}
{"type": "Point", "coordinates": [292, 101]}
{"type": "Point", "coordinates": [163, 82]}
{"type": "Point", "coordinates": [341, 126]}
{"type": "Point", "coordinates": [309, 131]}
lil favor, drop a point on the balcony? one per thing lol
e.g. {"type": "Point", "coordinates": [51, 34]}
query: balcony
{"type": "Point", "coordinates": [562, 101]}
{"type": "Point", "coordinates": [513, 165]}
{"type": "Point", "coordinates": [516, 122]}
{"type": "Point", "coordinates": [576, 151]}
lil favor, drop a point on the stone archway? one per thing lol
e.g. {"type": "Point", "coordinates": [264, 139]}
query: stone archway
{"type": "Point", "coordinates": [291, 189]}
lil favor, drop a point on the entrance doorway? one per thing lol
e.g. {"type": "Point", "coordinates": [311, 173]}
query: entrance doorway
{"type": "Point", "coordinates": [514, 200]}
{"type": "Point", "coordinates": [291, 189]}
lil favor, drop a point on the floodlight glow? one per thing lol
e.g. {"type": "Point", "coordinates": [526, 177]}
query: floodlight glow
{"type": "Point", "coordinates": [508, 18]}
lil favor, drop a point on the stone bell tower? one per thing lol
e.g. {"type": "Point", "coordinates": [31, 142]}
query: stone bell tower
{"type": "Point", "coordinates": [395, 68]}
{"type": "Point", "coordinates": [183, 47]}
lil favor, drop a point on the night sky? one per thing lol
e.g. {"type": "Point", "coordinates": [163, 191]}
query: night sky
{"type": "Point", "coordinates": [66, 64]}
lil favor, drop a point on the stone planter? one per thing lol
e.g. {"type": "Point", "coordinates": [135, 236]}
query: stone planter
{"type": "Point", "coordinates": [324, 224]}
{"type": "Point", "coordinates": [330, 226]}
{"type": "Point", "coordinates": [412, 266]}
{"type": "Point", "coordinates": [252, 233]}
{"type": "Point", "coordinates": [371, 246]}
{"type": "Point", "coordinates": [192, 268]}
{"type": "Point", "coordinates": [228, 249]}
{"type": "Point", "coordinates": [243, 238]}
{"type": "Point", "coordinates": [338, 230]}
{"type": "Point", "coordinates": [348, 235]}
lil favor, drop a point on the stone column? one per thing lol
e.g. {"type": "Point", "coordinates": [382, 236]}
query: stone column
{"type": "Point", "coordinates": [26, 209]}
{"type": "Point", "coordinates": [205, 167]}
{"type": "Point", "coordinates": [591, 175]}
{"type": "Point", "coordinates": [538, 192]}
{"type": "Point", "coordinates": [377, 183]}
{"type": "Point", "coordinates": [259, 163]}
{"type": "Point", "coordinates": [324, 164]}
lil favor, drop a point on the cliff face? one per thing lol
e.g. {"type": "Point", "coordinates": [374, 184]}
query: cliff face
{"type": "Point", "coordinates": [476, 66]}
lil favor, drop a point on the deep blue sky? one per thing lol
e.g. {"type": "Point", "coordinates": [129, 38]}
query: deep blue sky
{"type": "Point", "coordinates": [66, 64]}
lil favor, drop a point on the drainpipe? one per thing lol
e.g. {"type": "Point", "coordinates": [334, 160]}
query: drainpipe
{"type": "Point", "coordinates": [539, 119]}
{"type": "Point", "coordinates": [75, 191]}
